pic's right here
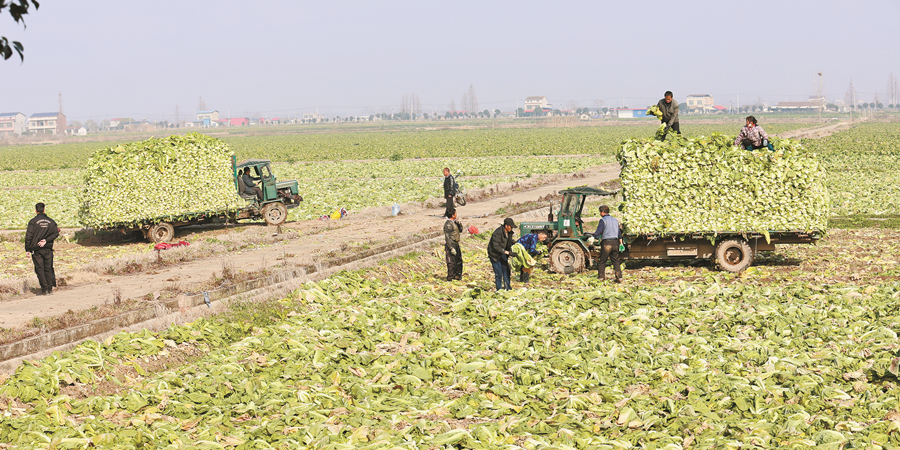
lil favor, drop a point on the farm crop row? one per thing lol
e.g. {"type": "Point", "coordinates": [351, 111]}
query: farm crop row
{"type": "Point", "coordinates": [363, 363]}
{"type": "Point", "coordinates": [387, 144]}
{"type": "Point", "coordinates": [863, 166]}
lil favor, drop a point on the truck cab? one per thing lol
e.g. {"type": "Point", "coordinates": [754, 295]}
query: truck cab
{"type": "Point", "coordinates": [571, 251]}
{"type": "Point", "coordinates": [278, 196]}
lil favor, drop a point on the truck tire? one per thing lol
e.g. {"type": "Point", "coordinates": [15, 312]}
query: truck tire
{"type": "Point", "coordinates": [161, 232]}
{"type": "Point", "coordinates": [733, 255]}
{"type": "Point", "coordinates": [566, 257]}
{"type": "Point", "coordinates": [274, 213]}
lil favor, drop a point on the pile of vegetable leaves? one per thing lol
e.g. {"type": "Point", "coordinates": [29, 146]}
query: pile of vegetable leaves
{"type": "Point", "coordinates": [175, 178]}
{"type": "Point", "coordinates": [364, 364]}
{"type": "Point", "coordinates": [706, 184]}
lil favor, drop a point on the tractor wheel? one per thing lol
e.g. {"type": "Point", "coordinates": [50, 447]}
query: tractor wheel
{"type": "Point", "coordinates": [734, 255]}
{"type": "Point", "coordinates": [460, 199]}
{"type": "Point", "coordinates": [566, 257]}
{"type": "Point", "coordinates": [161, 232]}
{"type": "Point", "coordinates": [274, 213]}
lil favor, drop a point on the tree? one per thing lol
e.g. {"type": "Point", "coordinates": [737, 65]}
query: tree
{"type": "Point", "coordinates": [520, 112]}
{"type": "Point", "coordinates": [91, 125]}
{"type": "Point", "coordinates": [452, 107]}
{"type": "Point", "coordinates": [17, 9]}
{"type": "Point", "coordinates": [76, 124]}
{"type": "Point", "coordinates": [497, 113]}
{"type": "Point", "coordinates": [470, 100]}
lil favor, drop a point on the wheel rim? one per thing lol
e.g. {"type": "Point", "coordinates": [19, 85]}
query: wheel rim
{"type": "Point", "coordinates": [565, 258]}
{"type": "Point", "coordinates": [274, 214]}
{"type": "Point", "coordinates": [734, 255]}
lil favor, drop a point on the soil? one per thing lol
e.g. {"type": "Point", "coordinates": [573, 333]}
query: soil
{"type": "Point", "coordinates": [374, 224]}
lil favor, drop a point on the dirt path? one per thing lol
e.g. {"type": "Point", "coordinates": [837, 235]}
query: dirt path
{"type": "Point", "coordinates": [817, 132]}
{"type": "Point", "coordinates": [371, 225]}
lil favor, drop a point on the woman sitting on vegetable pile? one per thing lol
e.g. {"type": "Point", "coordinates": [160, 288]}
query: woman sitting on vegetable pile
{"type": "Point", "coordinates": [753, 137]}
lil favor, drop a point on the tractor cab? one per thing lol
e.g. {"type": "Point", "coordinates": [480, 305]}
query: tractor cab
{"type": "Point", "coordinates": [278, 196]}
{"type": "Point", "coordinates": [568, 251]}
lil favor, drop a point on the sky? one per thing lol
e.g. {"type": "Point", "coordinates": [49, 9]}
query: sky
{"type": "Point", "coordinates": [281, 58]}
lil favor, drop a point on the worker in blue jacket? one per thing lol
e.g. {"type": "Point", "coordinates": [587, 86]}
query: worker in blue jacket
{"type": "Point", "coordinates": [609, 233]}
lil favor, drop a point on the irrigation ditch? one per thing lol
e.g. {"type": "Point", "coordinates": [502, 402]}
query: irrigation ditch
{"type": "Point", "coordinates": [183, 308]}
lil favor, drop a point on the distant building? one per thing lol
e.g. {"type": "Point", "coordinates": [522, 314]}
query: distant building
{"type": "Point", "coordinates": [630, 113]}
{"type": "Point", "coordinates": [703, 102]}
{"type": "Point", "coordinates": [12, 124]}
{"type": "Point", "coordinates": [208, 117]}
{"type": "Point", "coordinates": [537, 102]}
{"type": "Point", "coordinates": [47, 123]}
{"type": "Point", "coordinates": [235, 122]}
{"type": "Point", "coordinates": [313, 117]}
{"type": "Point", "coordinates": [799, 106]}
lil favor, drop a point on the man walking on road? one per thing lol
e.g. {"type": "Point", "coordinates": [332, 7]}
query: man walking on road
{"type": "Point", "coordinates": [669, 109]}
{"type": "Point", "coordinates": [452, 252]}
{"type": "Point", "coordinates": [449, 191]}
{"type": "Point", "coordinates": [610, 235]}
{"type": "Point", "coordinates": [499, 249]}
{"type": "Point", "coordinates": [39, 237]}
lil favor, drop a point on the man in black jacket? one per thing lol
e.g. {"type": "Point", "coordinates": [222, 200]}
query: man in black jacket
{"type": "Point", "coordinates": [39, 237]}
{"type": "Point", "coordinates": [449, 191]}
{"type": "Point", "coordinates": [499, 248]}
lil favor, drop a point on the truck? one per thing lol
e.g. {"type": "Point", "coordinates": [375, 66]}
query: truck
{"type": "Point", "coordinates": [571, 250]}
{"type": "Point", "coordinates": [278, 198]}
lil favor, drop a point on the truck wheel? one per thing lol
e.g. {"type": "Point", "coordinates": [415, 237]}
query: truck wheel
{"type": "Point", "coordinates": [161, 232]}
{"type": "Point", "coordinates": [460, 199]}
{"type": "Point", "coordinates": [566, 257]}
{"type": "Point", "coordinates": [734, 255]}
{"type": "Point", "coordinates": [274, 213]}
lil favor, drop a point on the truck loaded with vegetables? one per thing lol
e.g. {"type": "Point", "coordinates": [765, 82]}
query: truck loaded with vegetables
{"type": "Point", "coordinates": [700, 198]}
{"type": "Point", "coordinates": [159, 184]}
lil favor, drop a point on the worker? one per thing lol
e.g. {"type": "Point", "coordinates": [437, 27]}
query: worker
{"type": "Point", "coordinates": [524, 251]}
{"type": "Point", "coordinates": [449, 190]}
{"type": "Point", "coordinates": [249, 186]}
{"type": "Point", "coordinates": [39, 237]}
{"type": "Point", "coordinates": [669, 109]}
{"type": "Point", "coordinates": [499, 250]}
{"type": "Point", "coordinates": [753, 137]}
{"type": "Point", "coordinates": [609, 233]}
{"type": "Point", "coordinates": [452, 252]}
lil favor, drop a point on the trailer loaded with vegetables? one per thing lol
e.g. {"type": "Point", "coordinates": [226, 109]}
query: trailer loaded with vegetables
{"type": "Point", "coordinates": [699, 198]}
{"type": "Point", "coordinates": [156, 185]}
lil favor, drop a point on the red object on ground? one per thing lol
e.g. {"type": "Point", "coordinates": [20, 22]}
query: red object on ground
{"type": "Point", "coordinates": [473, 229]}
{"type": "Point", "coordinates": [166, 246]}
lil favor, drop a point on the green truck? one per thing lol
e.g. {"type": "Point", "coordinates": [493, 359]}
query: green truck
{"type": "Point", "coordinates": [571, 250]}
{"type": "Point", "coordinates": [278, 197]}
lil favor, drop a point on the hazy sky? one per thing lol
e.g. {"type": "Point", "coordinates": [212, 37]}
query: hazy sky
{"type": "Point", "coordinates": [278, 58]}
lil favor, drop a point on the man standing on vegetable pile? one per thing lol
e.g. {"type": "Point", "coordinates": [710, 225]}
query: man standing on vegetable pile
{"type": "Point", "coordinates": [669, 109]}
{"type": "Point", "coordinates": [499, 249]}
{"type": "Point", "coordinates": [610, 235]}
{"type": "Point", "coordinates": [449, 190]}
{"type": "Point", "coordinates": [452, 253]}
{"type": "Point", "coordinates": [753, 137]}
{"type": "Point", "coordinates": [39, 237]}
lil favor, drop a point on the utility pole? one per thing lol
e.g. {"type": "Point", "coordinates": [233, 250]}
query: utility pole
{"type": "Point", "coordinates": [176, 116]}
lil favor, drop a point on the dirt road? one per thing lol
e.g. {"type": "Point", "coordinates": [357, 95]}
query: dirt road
{"type": "Point", "coordinates": [371, 225]}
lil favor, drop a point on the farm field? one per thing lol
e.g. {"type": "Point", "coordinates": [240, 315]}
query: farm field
{"type": "Point", "coordinates": [797, 352]}
{"type": "Point", "coordinates": [863, 166]}
{"type": "Point", "coordinates": [349, 170]}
